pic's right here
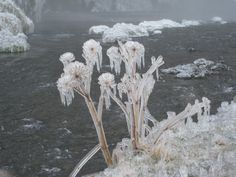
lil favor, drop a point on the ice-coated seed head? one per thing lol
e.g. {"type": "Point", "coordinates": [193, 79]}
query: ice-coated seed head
{"type": "Point", "coordinates": [64, 85]}
{"type": "Point", "coordinates": [92, 52]}
{"type": "Point", "coordinates": [135, 51]}
{"type": "Point", "coordinates": [106, 80]}
{"type": "Point", "coordinates": [67, 58]}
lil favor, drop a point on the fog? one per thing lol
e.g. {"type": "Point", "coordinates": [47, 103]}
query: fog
{"type": "Point", "coordinates": [200, 9]}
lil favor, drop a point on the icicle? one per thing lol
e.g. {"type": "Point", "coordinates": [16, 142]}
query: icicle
{"type": "Point", "coordinates": [115, 59]}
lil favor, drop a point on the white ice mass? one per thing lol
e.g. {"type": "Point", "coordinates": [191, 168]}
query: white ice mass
{"type": "Point", "coordinates": [206, 148]}
{"type": "Point", "coordinates": [199, 68]}
{"type": "Point", "coordinates": [14, 24]}
{"type": "Point", "coordinates": [218, 20]}
{"type": "Point", "coordinates": [126, 31]}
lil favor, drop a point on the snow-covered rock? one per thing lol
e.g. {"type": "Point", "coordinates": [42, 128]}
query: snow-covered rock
{"type": "Point", "coordinates": [98, 29]}
{"type": "Point", "coordinates": [187, 23]}
{"type": "Point", "coordinates": [126, 31]}
{"type": "Point", "coordinates": [10, 43]}
{"type": "Point", "coordinates": [199, 68]}
{"type": "Point", "coordinates": [11, 23]}
{"type": "Point", "coordinates": [205, 148]}
{"type": "Point", "coordinates": [218, 20]}
{"type": "Point", "coordinates": [14, 24]}
{"type": "Point", "coordinates": [123, 32]}
{"type": "Point", "coordinates": [8, 6]}
{"type": "Point", "coordinates": [161, 24]}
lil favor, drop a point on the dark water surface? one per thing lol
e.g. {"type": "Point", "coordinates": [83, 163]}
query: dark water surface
{"type": "Point", "coordinates": [41, 138]}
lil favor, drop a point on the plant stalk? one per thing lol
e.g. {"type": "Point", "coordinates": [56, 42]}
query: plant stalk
{"type": "Point", "coordinates": [100, 131]}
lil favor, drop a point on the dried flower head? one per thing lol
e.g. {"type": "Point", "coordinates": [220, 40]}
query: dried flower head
{"type": "Point", "coordinates": [64, 85]}
{"type": "Point", "coordinates": [106, 80]}
{"type": "Point", "coordinates": [135, 52]}
{"type": "Point", "coordinates": [67, 58]}
{"type": "Point", "coordinates": [115, 58]}
{"type": "Point", "coordinates": [77, 70]}
{"type": "Point", "coordinates": [92, 52]}
{"type": "Point", "coordinates": [107, 84]}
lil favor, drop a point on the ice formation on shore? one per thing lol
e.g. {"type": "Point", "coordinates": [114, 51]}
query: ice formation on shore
{"type": "Point", "coordinates": [199, 68]}
{"type": "Point", "coordinates": [218, 20]}
{"type": "Point", "coordinates": [205, 148]}
{"type": "Point", "coordinates": [14, 24]}
{"type": "Point", "coordinates": [126, 31]}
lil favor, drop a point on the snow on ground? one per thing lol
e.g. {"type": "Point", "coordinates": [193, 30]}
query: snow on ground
{"type": "Point", "coordinates": [126, 31]}
{"type": "Point", "coordinates": [203, 149]}
{"type": "Point", "coordinates": [199, 68]}
{"type": "Point", "coordinates": [14, 24]}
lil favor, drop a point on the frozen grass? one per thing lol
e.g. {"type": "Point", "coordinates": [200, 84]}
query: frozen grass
{"type": "Point", "coordinates": [206, 148]}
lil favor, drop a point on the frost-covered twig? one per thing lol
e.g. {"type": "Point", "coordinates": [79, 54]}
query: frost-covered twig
{"type": "Point", "coordinates": [83, 161]}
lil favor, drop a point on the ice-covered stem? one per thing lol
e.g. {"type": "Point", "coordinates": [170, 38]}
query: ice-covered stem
{"type": "Point", "coordinates": [100, 130]}
{"type": "Point", "coordinates": [77, 78]}
{"type": "Point", "coordinates": [136, 87]}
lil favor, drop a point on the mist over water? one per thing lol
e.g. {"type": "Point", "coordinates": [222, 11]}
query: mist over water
{"type": "Point", "coordinates": [194, 9]}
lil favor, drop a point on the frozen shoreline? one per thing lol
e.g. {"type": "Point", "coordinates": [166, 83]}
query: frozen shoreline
{"type": "Point", "coordinates": [126, 31]}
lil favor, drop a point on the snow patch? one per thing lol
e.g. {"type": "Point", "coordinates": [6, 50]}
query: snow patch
{"type": "Point", "coordinates": [198, 69]}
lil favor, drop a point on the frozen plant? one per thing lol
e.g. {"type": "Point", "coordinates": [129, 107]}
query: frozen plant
{"type": "Point", "coordinates": [77, 79]}
{"type": "Point", "coordinates": [136, 87]}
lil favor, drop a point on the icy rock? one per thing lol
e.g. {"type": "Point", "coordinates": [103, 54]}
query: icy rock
{"type": "Point", "coordinates": [126, 31]}
{"type": "Point", "coordinates": [13, 24]}
{"type": "Point", "coordinates": [98, 29]}
{"type": "Point", "coordinates": [195, 150]}
{"type": "Point", "coordinates": [8, 6]}
{"type": "Point", "coordinates": [10, 43]}
{"type": "Point", "coordinates": [158, 25]}
{"type": "Point", "coordinates": [218, 20]}
{"type": "Point", "coordinates": [123, 31]}
{"type": "Point", "coordinates": [187, 23]}
{"type": "Point", "coordinates": [199, 68]}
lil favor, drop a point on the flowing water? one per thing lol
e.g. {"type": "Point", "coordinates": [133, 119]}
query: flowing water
{"type": "Point", "coordinates": [41, 138]}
